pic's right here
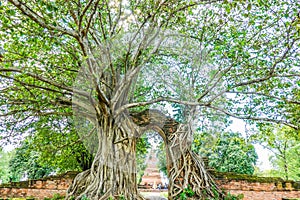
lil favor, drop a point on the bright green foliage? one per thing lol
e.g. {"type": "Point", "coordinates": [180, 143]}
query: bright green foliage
{"type": "Point", "coordinates": [244, 47]}
{"type": "Point", "coordinates": [233, 197]}
{"type": "Point", "coordinates": [227, 152]}
{"type": "Point", "coordinates": [55, 197]}
{"type": "Point", "coordinates": [161, 155]}
{"type": "Point", "coordinates": [39, 59]}
{"type": "Point", "coordinates": [5, 158]}
{"type": "Point", "coordinates": [59, 145]}
{"type": "Point", "coordinates": [143, 146]}
{"type": "Point", "coordinates": [246, 36]}
{"type": "Point", "coordinates": [284, 142]}
{"type": "Point", "coordinates": [187, 192]}
{"type": "Point", "coordinates": [288, 167]}
{"type": "Point", "coordinates": [26, 161]}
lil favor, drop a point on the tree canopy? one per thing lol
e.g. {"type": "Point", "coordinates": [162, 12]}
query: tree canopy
{"type": "Point", "coordinates": [105, 61]}
{"type": "Point", "coordinates": [250, 54]}
{"type": "Point", "coordinates": [4, 163]}
{"type": "Point", "coordinates": [25, 164]}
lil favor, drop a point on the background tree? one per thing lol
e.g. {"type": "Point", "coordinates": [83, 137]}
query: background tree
{"type": "Point", "coordinates": [59, 149]}
{"type": "Point", "coordinates": [227, 152]}
{"type": "Point", "coordinates": [143, 147]}
{"type": "Point", "coordinates": [58, 145]}
{"type": "Point", "coordinates": [4, 165]}
{"type": "Point", "coordinates": [283, 142]}
{"type": "Point", "coordinates": [25, 164]}
{"type": "Point", "coordinates": [232, 58]}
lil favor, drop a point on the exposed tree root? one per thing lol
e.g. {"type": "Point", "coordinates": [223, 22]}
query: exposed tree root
{"type": "Point", "coordinates": [113, 172]}
{"type": "Point", "coordinates": [91, 185]}
{"type": "Point", "coordinates": [186, 169]}
{"type": "Point", "coordinates": [190, 172]}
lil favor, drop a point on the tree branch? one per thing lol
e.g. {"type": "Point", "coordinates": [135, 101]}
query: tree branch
{"type": "Point", "coordinates": [137, 104]}
{"type": "Point", "coordinates": [237, 116]}
{"type": "Point", "coordinates": [45, 80]}
{"type": "Point", "coordinates": [39, 20]}
{"type": "Point", "coordinates": [266, 95]}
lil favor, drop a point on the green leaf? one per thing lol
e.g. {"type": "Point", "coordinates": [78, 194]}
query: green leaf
{"type": "Point", "coordinates": [249, 6]}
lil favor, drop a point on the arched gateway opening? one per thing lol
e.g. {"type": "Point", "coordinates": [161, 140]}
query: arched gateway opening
{"type": "Point", "coordinates": [185, 168]}
{"type": "Point", "coordinates": [152, 176]}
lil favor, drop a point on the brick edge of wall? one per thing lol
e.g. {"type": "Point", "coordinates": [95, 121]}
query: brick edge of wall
{"type": "Point", "coordinates": [253, 187]}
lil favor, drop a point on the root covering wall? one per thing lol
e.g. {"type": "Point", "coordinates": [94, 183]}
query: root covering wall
{"type": "Point", "coordinates": [252, 187]}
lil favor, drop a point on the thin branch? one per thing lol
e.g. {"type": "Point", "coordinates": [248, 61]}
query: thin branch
{"type": "Point", "coordinates": [26, 85]}
{"type": "Point", "coordinates": [36, 76]}
{"type": "Point", "coordinates": [138, 104]}
{"type": "Point", "coordinates": [237, 116]}
{"type": "Point", "coordinates": [39, 20]}
{"type": "Point", "coordinates": [118, 18]}
{"type": "Point", "coordinates": [221, 72]}
{"type": "Point", "coordinates": [85, 9]}
{"type": "Point", "coordinates": [45, 80]}
{"type": "Point", "coordinates": [91, 18]}
{"type": "Point", "coordinates": [266, 95]}
{"type": "Point", "coordinates": [83, 105]}
{"type": "Point", "coordinates": [108, 12]}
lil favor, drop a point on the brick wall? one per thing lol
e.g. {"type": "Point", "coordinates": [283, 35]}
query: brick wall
{"type": "Point", "coordinates": [254, 188]}
{"type": "Point", "coordinates": [40, 189]}
{"type": "Point", "coordinates": [258, 188]}
{"type": "Point", "coordinates": [259, 191]}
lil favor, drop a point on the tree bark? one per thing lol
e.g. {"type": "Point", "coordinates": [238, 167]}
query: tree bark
{"type": "Point", "coordinates": [113, 172]}
{"type": "Point", "coordinates": [186, 169]}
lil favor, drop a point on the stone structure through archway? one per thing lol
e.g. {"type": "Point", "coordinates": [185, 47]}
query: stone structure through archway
{"type": "Point", "coordinates": [153, 178]}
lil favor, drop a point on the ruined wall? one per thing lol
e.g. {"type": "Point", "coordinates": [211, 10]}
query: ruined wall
{"type": "Point", "coordinates": [258, 188]}
{"type": "Point", "coordinates": [260, 191]}
{"type": "Point", "coordinates": [39, 189]}
{"type": "Point", "coordinates": [254, 188]}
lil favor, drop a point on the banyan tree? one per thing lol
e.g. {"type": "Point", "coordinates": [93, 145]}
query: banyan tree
{"type": "Point", "coordinates": [119, 68]}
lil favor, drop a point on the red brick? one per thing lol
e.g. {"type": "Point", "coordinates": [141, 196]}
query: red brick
{"type": "Point", "coordinates": [251, 190]}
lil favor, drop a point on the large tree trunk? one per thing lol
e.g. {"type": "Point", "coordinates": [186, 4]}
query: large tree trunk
{"type": "Point", "coordinates": [113, 172]}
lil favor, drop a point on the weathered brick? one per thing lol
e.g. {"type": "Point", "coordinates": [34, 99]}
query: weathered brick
{"type": "Point", "coordinates": [259, 190]}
